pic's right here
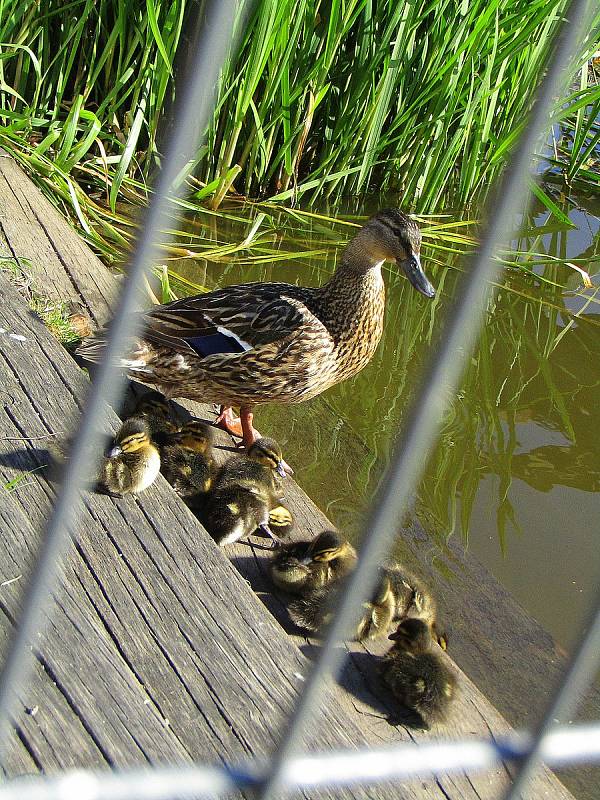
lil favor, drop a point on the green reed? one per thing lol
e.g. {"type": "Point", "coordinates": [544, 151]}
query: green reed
{"type": "Point", "coordinates": [320, 99]}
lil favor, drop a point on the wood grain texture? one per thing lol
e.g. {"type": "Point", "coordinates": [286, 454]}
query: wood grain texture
{"type": "Point", "coordinates": [35, 234]}
{"type": "Point", "coordinates": [158, 649]}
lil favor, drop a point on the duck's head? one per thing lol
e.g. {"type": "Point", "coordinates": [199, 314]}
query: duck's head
{"type": "Point", "coordinates": [391, 235]}
{"type": "Point", "coordinates": [329, 545]}
{"type": "Point", "coordinates": [413, 635]}
{"type": "Point", "coordinates": [133, 436]}
{"type": "Point", "coordinates": [194, 435]}
{"type": "Point", "coordinates": [268, 453]}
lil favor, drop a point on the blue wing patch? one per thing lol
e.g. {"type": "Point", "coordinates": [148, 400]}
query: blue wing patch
{"type": "Point", "coordinates": [217, 343]}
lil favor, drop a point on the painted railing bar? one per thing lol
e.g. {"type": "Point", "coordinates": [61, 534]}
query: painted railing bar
{"type": "Point", "coordinates": [581, 671]}
{"type": "Point", "coordinates": [438, 387]}
{"type": "Point", "coordinates": [564, 746]}
{"type": "Point", "coordinates": [194, 106]}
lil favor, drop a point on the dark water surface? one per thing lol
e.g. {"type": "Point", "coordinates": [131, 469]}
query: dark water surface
{"type": "Point", "coordinates": [516, 473]}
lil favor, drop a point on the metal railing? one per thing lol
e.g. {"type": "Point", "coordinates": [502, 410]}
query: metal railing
{"type": "Point", "coordinates": [564, 746]}
{"type": "Point", "coordinates": [286, 769]}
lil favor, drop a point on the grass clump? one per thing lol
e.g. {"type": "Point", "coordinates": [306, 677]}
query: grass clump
{"type": "Point", "coordinates": [66, 324]}
{"type": "Point", "coordinates": [320, 100]}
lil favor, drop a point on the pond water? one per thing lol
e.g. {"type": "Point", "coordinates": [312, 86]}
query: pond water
{"type": "Point", "coordinates": [516, 473]}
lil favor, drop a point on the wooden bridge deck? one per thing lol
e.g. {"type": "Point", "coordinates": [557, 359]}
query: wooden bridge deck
{"type": "Point", "coordinates": [157, 648]}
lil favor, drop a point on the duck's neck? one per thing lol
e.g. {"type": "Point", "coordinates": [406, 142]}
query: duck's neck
{"type": "Point", "coordinates": [353, 300]}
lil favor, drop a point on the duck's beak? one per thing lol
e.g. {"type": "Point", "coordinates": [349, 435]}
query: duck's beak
{"type": "Point", "coordinates": [414, 272]}
{"type": "Point", "coordinates": [283, 468]}
{"type": "Point", "coordinates": [396, 636]}
{"type": "Point", "coordinates": [115, 451]}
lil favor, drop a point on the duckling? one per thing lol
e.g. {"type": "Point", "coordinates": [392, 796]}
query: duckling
{"type": "Point", "coordinates": [157, 412]}
{"type": "Point", "coordinates": [416, 675]}
{"type": "Point", "coordinates": [302, 567]}
{"type": "Point", "coordinates": [245, 491]}
{"type": "Point", "coordinates": [186, 459]}
{"type": "Point", "coordinates": [133, 462]}
{"type": "Point", "coordinates": [398, 595]}
{"type": "Point", "coordinates": [281, 520]}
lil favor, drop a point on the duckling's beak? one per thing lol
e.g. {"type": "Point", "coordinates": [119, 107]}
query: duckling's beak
{"type": "Point", "coordinates": [414, 272]}
{"type": "Point", "coordinates": [115, 451]}
{"type": "Point", "coordinates": [283, 468]}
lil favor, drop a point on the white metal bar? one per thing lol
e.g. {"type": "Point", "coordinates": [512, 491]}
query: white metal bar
{"type": "Point", "coordinates": [577, 678]}
{"type": "Point", "coordinates": [564, 746]}
{"type": "Point", "coordinates": [194, 106]}
{"type": "Point", "coordinates": [419, 434]}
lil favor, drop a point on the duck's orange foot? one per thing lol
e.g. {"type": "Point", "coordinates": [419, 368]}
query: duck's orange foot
{"type": "Point", "coordinates": [229, 422]}
{"type": "Point", "coordinates": [241, 426]}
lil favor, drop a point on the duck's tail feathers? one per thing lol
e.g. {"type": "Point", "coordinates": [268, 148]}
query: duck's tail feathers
{"type": "Point", "coordinates": [92, 349]}
{"type": "Point", "coordinates": [138, 357]}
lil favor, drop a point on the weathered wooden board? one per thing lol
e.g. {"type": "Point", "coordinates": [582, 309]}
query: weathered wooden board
{"type": "Point", "coordinates": [184, 628]}
{"type": "Point", "coordinates": [156, 650]}
{"type": "Point", "coordinates": [37, 236]}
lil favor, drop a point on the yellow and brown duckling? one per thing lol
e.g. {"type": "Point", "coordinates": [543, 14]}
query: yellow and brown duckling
{"type": "Point", "coordinates": [281, 521]}
{"type": "Point", "coordinates": [244, 492]}
{"type": "Point", "coordinates": [398, 595]}
{"type": "Point", "coordinates": [186, 460]}
{"type": "Point", "coordinates": [416, 674]}
{"type": "Point", "coordinates": [133, 462]}
{"type": "Point", "coordinates": [157, 412]}
{"type": "Point", "coordinates": [274, 342]}
{"type": "Point", "coordinates": [302, 567]}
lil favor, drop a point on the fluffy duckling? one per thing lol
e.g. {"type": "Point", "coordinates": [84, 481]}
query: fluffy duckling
{"type": "Point", "coordinates": [302, 567]}
{"type": "Point", "coordinates": [398, 595]}
{"type": "Point", "coordinates": [281, 521]}
{"type": "Point", "coordinates": [157, 412]}
{"type": "Point", "coordinates": [416, 675]}
{"type": "Point", "coordinates": [133, 462]}
{"type": "Point", "coordinates": [186, 460]}
{"type": "Point", "coordinates": [244, 492]}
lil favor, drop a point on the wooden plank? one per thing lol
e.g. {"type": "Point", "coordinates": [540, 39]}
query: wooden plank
{"type": "Point", "coordinates": [34, 233]}
{"type": "Point", "coordinates": [183, 624]}
{"type": "Point", "coordinates": [157, 649]}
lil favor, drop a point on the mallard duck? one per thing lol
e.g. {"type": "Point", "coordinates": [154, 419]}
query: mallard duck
{"type": "Point", "coordinates": [244, 492]}
{"type": "Point", "coordinates": [274, 342]}
{"type": "Point", "coordinates": [302, 567]}
{"type": "Point", "coordinates": [186, 459]}
{"type": "Point", "coordinates": [416, 675]}
{"type": "Point", "coordinates": [133, 462]}
{"type": "Point", "coordinates": [157, 412]}
{"type": "Point", "coordinates": [398, 594]}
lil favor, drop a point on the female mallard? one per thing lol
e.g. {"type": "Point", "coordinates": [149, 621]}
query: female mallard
{"type": "Point", "coordinates": [274, 342]}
